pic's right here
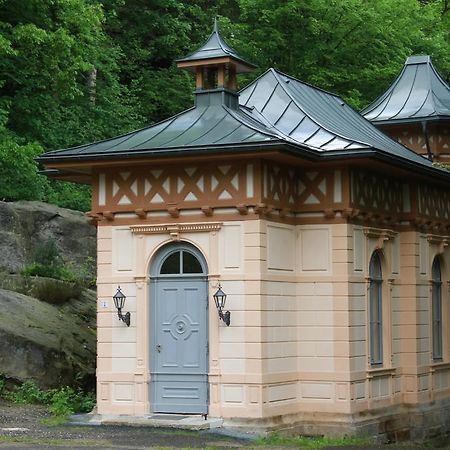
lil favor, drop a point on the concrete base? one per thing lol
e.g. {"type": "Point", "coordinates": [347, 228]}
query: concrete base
{"type": "Point", "coordinates": [182, 422]}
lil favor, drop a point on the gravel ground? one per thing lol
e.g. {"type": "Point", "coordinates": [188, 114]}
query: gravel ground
{"type": "Point", "coordinates": [24, 427]}
{"type": "Point", "coordinates": [21, 426]}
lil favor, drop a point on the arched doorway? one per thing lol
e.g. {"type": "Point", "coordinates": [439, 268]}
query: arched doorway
{"type": "Point", "coordinates": [179, 331]}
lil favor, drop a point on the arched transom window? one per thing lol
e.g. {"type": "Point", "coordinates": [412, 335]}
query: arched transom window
{"type": "Point", "coordinates": [181, 262]}
{"type": "Point", "coordinates": [375, 309]}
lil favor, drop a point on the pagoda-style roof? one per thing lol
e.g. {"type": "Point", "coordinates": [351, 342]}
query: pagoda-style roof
{"type": "Point", "coordinates": [215, 49]}
{"type": "Point", "coordinates": [317, 119]}
{"type": "Point", "coordinates": [418, 94]}
{"type": "Point", "coordinates": [275, 111]}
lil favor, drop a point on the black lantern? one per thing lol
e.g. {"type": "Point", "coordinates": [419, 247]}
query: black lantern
{"type": "Point", "coordinates": [119, 301]}
{"type": "Point", "coordinates": [220, 298]}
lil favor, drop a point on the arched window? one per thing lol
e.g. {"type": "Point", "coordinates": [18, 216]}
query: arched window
{"type": "Point", "coordinates": [436, 306]}
{"type": "Point", "coordinates": [375, 309]}
{"type": "Point", "coordinates": [181, 262]}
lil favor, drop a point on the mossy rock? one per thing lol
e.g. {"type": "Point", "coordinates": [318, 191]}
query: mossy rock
{"type": "Point", "coordinates": [51, 345]}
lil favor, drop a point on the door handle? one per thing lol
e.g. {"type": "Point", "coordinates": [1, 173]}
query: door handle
{"type": "Point", "coordinates": [158, 348]}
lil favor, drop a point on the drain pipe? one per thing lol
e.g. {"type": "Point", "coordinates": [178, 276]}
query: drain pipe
{"type": "Point", "coordinates": [427, 140]}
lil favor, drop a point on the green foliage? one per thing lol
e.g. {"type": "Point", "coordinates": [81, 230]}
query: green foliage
{"type": "Point", "coordinates": [28, 392]}
{"type": "Point", "coordinates": [69, 195]}
{"type": "Point", "coordinates": [61, 402]}
{"type": "Point", "coordinates": [86, 274]}
{"type": "Point", "coordinates": [2, 384]}
{"type": "Point", "coordinates": [46, 261]}
{"type": "Point", "coordinates": [77, 71]}
{"type": "Point", "coordinates": [60, 283]}
{"type": "Point", "coordinates": [352, 47]}
{"type": "Point", "coordinates": [66, 401]}
{"type": "Point", "coordinates": [20, 179]}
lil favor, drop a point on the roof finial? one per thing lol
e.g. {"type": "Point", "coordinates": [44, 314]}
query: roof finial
{"type": "Point", "coordinates": [216, 27]}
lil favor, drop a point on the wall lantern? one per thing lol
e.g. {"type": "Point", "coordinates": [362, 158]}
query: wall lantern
{"type": "Point", "coordinates": [220, 298]}
{"type": "Point", "coordinates": [119, 301]}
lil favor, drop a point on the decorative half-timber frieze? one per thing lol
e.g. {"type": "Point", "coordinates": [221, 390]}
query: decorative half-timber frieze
{"type": "Point", "coordinates": [286, 188]}
{"type": "Point", "coordinates": [266, 187]}
{"type": "Point", "coordinates": [376, 193]}
{"type": "Point", "coordinates": [269, 190]}
{"type": "Point", "coordinates": [153, 189]}
{"type": "Point", "coordinates": [433, 202]}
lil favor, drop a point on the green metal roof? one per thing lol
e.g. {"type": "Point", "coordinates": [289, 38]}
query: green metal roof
{"type": "Point", "coordinates": [315, 118]}
{"type": "Point", "coordinates": [215, 47]}
{"type": "Point", "coordinates": [274, 111]}
{"type": "Point", "coordinates": [418, 94]}
{"type": "Point", "coordinates": [214, 122]}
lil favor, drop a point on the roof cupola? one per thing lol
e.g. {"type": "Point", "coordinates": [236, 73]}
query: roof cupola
{"type": "Point", "coordinates": [215, 64]}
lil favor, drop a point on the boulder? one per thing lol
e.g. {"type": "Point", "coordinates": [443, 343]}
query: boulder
{"type": "Point", "coordinates": [24, 225]}
{"type": "Point", "coordinates": [51, 345]}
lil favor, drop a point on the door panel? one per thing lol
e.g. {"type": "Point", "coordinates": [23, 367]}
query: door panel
{"type": "Point", "coordinates": [179, 347]}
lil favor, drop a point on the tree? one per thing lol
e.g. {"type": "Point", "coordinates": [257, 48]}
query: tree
{"type": "Point", "coordinates": [352, 47]}
{"type": "Point", "coordinates": [53, 46]}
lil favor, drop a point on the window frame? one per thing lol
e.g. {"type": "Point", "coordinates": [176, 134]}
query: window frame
{"type": "Point", "coordinates": [436, 311]}
{"type": "Point", "coordinates": [375, 309]}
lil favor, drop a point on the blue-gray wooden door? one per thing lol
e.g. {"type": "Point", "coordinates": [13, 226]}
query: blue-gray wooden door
{"type": "Point", "coordinates": [179, 347]}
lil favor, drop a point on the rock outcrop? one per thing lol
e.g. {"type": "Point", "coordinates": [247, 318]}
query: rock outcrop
{"type": "Point", "coordinates": [24, 225]}
{"type": "Point", "coordinates": [51, 345]}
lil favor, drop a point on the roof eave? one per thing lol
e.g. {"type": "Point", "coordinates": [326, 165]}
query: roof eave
{"type": "Point", "coordinates": [303, 151]}
{"type": "Point", "coordinates": [434, 118]}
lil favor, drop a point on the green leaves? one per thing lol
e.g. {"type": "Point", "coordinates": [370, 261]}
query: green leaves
{"type": "Point", "coordinates": [19, 177]}
{"type": "Point", "coordinates": [352, 47]}
{"type": "Point", "coordinates": [77, 71]}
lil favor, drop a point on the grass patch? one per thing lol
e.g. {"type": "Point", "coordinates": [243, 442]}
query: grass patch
{"type": "Point", "coordinates": [54, 421]}
{"type": "Point", "coordinates": [311, 442]}
{"type": "Point", "coordinates": [48, 441]}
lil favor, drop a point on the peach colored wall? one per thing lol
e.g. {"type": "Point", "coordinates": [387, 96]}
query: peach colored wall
{"type": "Point", "coordinates": [298, 340]}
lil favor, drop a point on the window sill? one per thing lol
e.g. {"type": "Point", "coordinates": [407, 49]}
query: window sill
{"type": "Point", "coordinates": [380, 372]}
{"type": "Point", "coordinates": [439, 365]}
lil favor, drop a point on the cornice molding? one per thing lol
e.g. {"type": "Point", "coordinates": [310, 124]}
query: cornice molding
{"type": "Point", "coordinates": [175, 229]}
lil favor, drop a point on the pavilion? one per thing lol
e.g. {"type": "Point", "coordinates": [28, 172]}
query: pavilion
{"type": "Point", "coordinates": [329, 240]}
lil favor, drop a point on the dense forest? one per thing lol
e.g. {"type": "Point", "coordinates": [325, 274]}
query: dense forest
{"type": "Point", "coordinates": [75, 71]}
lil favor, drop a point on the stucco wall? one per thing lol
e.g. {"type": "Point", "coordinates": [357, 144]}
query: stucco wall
{"type": "Point", "coordinates": [298, 339]}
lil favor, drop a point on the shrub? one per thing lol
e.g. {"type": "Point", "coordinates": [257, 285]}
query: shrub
{"type": "Point", "coordinates": [28, 392]}
{"type": "Point", "coordinates": [61, 402]}
{"type": "Point", "coordinates": [86, 273]}
{"type": "Point", "coordinates": [56, 292]}
{"type": "Point", "coordinates": [66, 401]}
{"type": "Point", "coordinates": [46, 261]}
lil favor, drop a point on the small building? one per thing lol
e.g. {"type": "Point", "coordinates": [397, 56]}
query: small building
{"type": "Point", "coordinates": [415, 110]}
{"type": "Point", "coordinates": [329, 239]}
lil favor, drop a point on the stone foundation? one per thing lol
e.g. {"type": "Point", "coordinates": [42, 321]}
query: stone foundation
{"type": "Point", "coordinates": [393, 424]}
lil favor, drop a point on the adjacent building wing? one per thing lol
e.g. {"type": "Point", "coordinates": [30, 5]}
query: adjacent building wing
{"type": "Point", "coordinates": [418, 94]}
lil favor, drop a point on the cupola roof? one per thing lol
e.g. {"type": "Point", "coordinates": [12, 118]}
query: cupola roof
{"type": "Point", "coordinates": [215, 50]}
{"type": "Point", "coordinates": [418, 94]}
